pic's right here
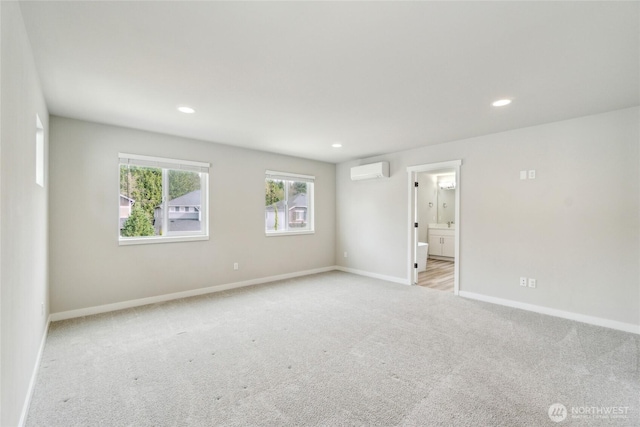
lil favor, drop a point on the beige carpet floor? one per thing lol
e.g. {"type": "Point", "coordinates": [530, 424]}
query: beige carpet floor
{"type": "Point", "coordinates": [332, 349]}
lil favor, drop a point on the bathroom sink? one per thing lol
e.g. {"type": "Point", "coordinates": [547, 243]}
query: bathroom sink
{"type": "Point", "coordinates": [442, 226]}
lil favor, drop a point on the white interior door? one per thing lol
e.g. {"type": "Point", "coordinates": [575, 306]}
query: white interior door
{"type": "Point", "coordinates": [414, 241]}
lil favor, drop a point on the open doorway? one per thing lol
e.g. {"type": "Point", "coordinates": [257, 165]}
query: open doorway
{"type": "Point", "coordinates": [436, 229]}
{"type": "Point", "coordinates": [434, 206]}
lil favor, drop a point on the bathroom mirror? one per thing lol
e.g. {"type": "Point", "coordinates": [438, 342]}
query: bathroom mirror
{"type": "Point", "coordinates": [446, 205]}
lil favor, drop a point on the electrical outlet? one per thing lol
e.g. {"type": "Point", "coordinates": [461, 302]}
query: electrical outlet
{"type": "Point", "coordinates": [523, 174]}
{"type": "Point", "coordinates": [532, 283]}
{"type": "Point", "coordinates": [345, 254]}
{"type": "Point", "coordinates": [235, 266]}
{"type": "Point", "coordinates": [523, 281]}
{"type": "Point", "coordinates": [532, 174]}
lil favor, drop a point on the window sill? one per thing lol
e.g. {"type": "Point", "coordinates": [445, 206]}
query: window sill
{"type": "Point", "coordinates": [288, 233]}
{"type": "Point", "coordinates": [160, 239]}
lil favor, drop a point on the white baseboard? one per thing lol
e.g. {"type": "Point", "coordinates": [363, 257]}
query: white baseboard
{"type": "Point", "coordinates": [63, 315]}
{"type": "Point", "coordinates": [34, 376]}
{"type": "Point", "coordinates": [374, 275]}
{"type": "Point", "coordinates": [598, 321]}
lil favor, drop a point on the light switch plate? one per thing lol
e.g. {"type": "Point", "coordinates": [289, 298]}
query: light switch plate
{"type": "Point", "coordinates": [523, 174]}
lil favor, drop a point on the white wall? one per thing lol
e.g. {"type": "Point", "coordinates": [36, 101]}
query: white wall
{"type": "Point", "coordinates": [89, 269]}
{"type": "Point", "coordinates": [575, 228]}
{"type": "Point", "coordinates": [23, 218]}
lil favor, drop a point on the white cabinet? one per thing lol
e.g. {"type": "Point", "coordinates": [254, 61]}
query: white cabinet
{"type": "Point", "coordinates": [449, 246]}
{"type": "Point", "coordinates": [442, 242]}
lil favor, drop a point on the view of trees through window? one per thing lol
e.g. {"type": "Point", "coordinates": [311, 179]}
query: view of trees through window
{"type": "Point", "coordinates": [141, 201]}
{"type": "Point", "coordinates": [143, 187]}
{"type": "Point", "coordinates": [286, 205]}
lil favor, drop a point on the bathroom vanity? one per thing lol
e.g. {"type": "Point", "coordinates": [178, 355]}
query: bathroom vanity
{"type": "Point", "coordinates": [442, 241]}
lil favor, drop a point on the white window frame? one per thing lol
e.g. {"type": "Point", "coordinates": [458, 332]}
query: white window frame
{"type": "Point", "coordinates": [310, 180]}
{"type": "Point", "coordinates": [39, 152]}
{"type": "Point", "coordinates": [169, 164]}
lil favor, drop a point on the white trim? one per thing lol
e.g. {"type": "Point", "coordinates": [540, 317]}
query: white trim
{"type": "Point", "coordinates": [412, 172]}
{"type": "Point", "coordinates": [287, 175]}
{"type": "Point", "coordinates": [393, 279]}
{"type": "Point", "coordinates": [411, 255]}
{"type": "Point", "coordinates": [34, 376]}
{"type": "Point", "coordinates": [126, 241]}
{"type": "Point", "coordinates": [63, 315]}
{"type": "Point", "coordinates": [592, 320]}
{"type": "Point", "coordinates": [164, 160]}
{"type": "Point", "coordinates": [435, 166]}
{"type": "Point", "coordinates": [287, 233]}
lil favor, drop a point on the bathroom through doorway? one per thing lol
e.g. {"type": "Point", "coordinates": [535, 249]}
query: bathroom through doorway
{"type": "Point", "coordinates": [434, 225]}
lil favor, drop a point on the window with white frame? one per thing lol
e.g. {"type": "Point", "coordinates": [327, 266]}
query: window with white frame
{"type": "Point", "coordinates": [288, 203]}
{"type": "Point", "coordinates": [39, 152]}
{"type": "Point", "coordinates": [152, 191]}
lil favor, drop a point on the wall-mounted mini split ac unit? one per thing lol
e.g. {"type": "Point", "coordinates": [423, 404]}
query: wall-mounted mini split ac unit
{"type": "Point", "coordinates": [370, 171]}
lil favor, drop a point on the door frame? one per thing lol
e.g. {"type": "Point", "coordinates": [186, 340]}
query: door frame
{"type": "Point", "coordinates": [412, 176]}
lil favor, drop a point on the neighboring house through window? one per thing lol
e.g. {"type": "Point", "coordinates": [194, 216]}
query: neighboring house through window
{"type": "Point", "coordinates": [152, 192]}
{"type": "Point", "coordinates": [288, 203]}
{"type": "Point", "coordinates": [125, 209]}
{"type": "Point", "coordinates": [180, 216]}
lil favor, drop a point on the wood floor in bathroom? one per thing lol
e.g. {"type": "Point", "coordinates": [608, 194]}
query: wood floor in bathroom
{"type": "Point", "coordinates": [439, 275]}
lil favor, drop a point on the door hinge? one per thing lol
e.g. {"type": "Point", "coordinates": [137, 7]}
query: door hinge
{"type": "Point", "coordinates": [415, 224]}
{"type": "Point", "coordinates": [415, 265]}
{"type": "Point", "coordinates": [415, 184]}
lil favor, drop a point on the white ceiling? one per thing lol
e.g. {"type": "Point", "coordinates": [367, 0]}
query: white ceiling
{"type": "Point", "coordinates": [293, 78]}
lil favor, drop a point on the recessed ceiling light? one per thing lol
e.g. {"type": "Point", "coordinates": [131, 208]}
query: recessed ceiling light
{"type": "Point", "coordinates": [185, 109]}
{"type": "Point", "coordinates": [501, 102]}
{"type": "Point", "coordinates": [336, 145]}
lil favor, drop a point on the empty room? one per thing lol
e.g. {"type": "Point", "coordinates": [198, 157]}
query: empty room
{"type": "Point", "coordinates": [319, 213]}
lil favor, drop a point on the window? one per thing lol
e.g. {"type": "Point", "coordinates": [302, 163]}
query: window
{"type": "Point", "coordinates": [152, 190]}
{"type": "Point", "coordinates": [39, 152]}
{"type": "Point", "coordinates": [288, 203]}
